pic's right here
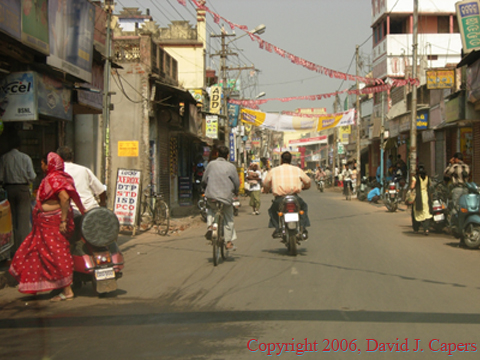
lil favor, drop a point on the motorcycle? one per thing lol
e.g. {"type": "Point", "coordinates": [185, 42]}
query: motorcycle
{"type": "Point", "coordinates": [292, 231]}
{"type": "Point", "coordinates": [467, 219]}
{"type": "Point", "coordinates": [96, 255]}
{"type": "Point", "coordinates": [391, 196]}
{"type": "Point", "coordinates": [202, 207]}
{"type": "Point", "coordinates": [439, 200]}
{"type": "Point", "coordinates": [236, 205]}
{"type": "Point", "coordinates": [363, 190]}
{"type": "Point", "coordinates": [320, 185]}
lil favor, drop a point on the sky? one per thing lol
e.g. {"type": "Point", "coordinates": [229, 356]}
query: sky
{"type": "Point", "coordinates": [324, 32]}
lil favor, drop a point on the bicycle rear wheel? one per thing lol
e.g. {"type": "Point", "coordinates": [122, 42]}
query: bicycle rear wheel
{"type": "Point", "coordinates": [221, 238]}
{"type": "Point", "coordinates": [215, 246]}
{"type": "Point", "coordinates": [145, 222]}
{"type": "Point", "coordinates": [162, 217]}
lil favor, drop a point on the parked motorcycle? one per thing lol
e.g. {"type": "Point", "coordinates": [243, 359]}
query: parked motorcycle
{"type": "Point", "coordinates": [236, 205]}
{"type": "Point", "coordinates": [391, 196]}
{"type": "Point", "coordinates": [202, 207]}
{"type": "Point", "coordinates": [96, 256]}
{"type": "Point", "coordinates": [439, 201]}
{"type": "Point", "coordinates": [364, 189]}
{"type": "Point", "coordinates": [467, 220]}
{"type": "Point", "coordinates": [292, 231]}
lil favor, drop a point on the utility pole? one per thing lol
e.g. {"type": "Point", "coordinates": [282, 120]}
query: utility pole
{"type": "Point", "coordinates": [382, 139]}
{"type": "Point", "coordinates": [359, 161]}
{"type": "Point", "coordinates": [413, 124]}
{"type": "Point", "coordinates": [223, 68]}
{"type": "Point", "coordinates": [106, 98]}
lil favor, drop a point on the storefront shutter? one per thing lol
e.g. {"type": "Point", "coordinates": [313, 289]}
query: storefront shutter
{"type": "Point", "coordinates": [163, 152]}
{"type": "Point", "coordinates": [476, 153]}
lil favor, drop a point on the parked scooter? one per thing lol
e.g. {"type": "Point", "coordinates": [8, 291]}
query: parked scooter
{"type": "Point", "coordinates": [292, 231]}
{"type": "Point", "coordinates": [391, 196]}
{"type": "Point", "coordinates": [6, 228]}
{"type": "Point", "coordinates": [467, 220]}
{"type": "Point", "coordinates": [96, 256]}
{"type": "Point", "coordinates": [439, 201]}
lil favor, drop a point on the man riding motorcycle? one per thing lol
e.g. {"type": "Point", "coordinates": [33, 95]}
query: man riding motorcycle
{"type": "Point", "coordinates": [283, 180]}
{"type": "Point", "coordinates": [319, 174]}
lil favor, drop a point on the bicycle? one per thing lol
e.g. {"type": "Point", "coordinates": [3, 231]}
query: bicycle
{"type": "Point", "coordinates": [154, 211]}
{"type": "Point", "coordinates": [218, 232]}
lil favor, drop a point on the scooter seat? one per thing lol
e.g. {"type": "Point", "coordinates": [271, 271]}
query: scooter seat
{"type": "Point", "coordinates": [100, 226]}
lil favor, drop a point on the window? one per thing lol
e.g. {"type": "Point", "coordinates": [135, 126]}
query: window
{"type": "Point", "coordinates": [443, 24]}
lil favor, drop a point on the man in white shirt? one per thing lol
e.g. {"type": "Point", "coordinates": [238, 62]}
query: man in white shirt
{"type": "Point", "coordinates": [86, 183]}
{"type": "Point", "coordinates": [16, 175]}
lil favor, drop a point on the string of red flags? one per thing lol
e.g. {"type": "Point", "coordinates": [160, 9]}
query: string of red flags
{"type": "Point", "coordinates": [286, 55]}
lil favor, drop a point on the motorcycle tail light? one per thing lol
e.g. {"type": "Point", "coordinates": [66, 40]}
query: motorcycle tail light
{"type": "Point", "coordinates": [290, 207]}
{"type": "Point", "coordinates": [463, 210]}
{"type": "Point", "coordinates": [102, 258]}
{"type": "Point", "coordinates": [437, 208]}
{"type": "Point", "coordinates": [392, 187]}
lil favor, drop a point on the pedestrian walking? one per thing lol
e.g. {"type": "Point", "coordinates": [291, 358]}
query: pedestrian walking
{"type": "Point", "coordinates": [43, 261]}
{"type": "Point", "coordinates": [254, 178]}
{"type": "Point", "coordinates": [16, 174]}
{"type": "Point", "coordinates": [422, 206]}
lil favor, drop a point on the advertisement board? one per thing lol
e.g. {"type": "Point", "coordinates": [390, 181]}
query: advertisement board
{"type": "Point", "coordinates": [35, 25]}
{"type": "Point", "coordinates": [18, 97]}
{"type": "Point", "coordinates": [215, 99]}
{"type": "Point", "coordinates": [440, 79]}
{"type": "Point", "coordinates": [54, 98]}
{"type": "Point", "coordinates": [127, 192]}
{"type": "Point", "coordinates": [10, 18]}
{"type": "Point", "coordinates": [468, 17]}
{"type": "Point", "coordinates": [211, 126]}
{"type": "Point", "coordinates": [71, 29]}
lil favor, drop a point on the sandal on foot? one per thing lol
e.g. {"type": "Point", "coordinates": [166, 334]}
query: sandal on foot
{"type": "Point", "coordinates": [62, 297]}
{"type": "Point", "coordinates": [230, 246]}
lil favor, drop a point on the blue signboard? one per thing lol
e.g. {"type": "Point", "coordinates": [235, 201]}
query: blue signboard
{"type": "Point", "coordinates": [233, 147]}
{"type": "Point", "coordinates": [422, 121]}
{"type": "Point", "coordinates": [71, 26]}
{"type": "Point", "coordinates": [54, 98]}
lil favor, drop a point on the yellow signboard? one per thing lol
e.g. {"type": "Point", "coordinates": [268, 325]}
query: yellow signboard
{"type": "Point", "coordinates": [128, 148]}
{"type": "Point", "coordinates": [440, 79]}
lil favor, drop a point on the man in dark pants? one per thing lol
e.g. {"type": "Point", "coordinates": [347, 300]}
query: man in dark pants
{"type": "Point", "coordinates": [16, 174]}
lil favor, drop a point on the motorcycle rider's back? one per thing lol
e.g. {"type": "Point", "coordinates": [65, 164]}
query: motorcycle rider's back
{"type": "Point", "coordinates": [286, 180]}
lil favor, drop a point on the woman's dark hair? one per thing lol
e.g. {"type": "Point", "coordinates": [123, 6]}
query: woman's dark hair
{"type": "Point", "coordinates": [44, 158]}
{"type": "Point", "coordinates": [421, 171]}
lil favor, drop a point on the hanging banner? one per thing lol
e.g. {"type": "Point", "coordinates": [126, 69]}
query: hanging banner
{"type": "Point", "coordinates": [211, 126]}
{"type": "Point", "coordinates": [215, 99]}
{"type": "Point", "coordinates": [323, 139]}
{"type": "Point", "coordinates": [233, 111]}
{"type": "Point", "coordinates": [296, 123]}
{"type": "Point", "coordinates": [233, 147]}
{"type": "Point", "coordinates": [35, 25]}
{"type": "Point", "coordinates": [10, 18]}
{"type": "Point", "coordinates": [258, 118]}
{"type": "Point", "coordinates": [344, 133]}
{"type": "Point", "coordinates": [126, 196]}
{"type": "Point", "coordinates": [334, 120]}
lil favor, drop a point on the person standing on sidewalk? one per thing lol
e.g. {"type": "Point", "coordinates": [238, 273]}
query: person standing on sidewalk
{"type": "Point", "coordinates": [16, 174]}
{"type": "Point", "coordinates": [458, 172]}
{"type": "Point", "coordinates": [254, 178]}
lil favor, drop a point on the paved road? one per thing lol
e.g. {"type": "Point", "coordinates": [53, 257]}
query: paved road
{"type": "Point", "coordinates": [362, 275]}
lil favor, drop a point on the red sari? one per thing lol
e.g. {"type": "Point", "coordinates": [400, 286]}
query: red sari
{"type": "Point", "coordinates": [43, 261]}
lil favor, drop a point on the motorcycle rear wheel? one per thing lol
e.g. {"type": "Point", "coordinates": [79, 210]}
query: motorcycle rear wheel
{"type": "Point", "coordinates": [471, 236]}
{"type": "Point", "coordinates": [291, 242]}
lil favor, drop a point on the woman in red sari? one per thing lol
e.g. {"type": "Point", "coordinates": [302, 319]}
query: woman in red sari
{"type": "Point", "coordinates": [43, 261]}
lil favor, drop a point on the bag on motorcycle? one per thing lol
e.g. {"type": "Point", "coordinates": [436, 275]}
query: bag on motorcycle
{"type": "Point", "coordinates": [410, 196]}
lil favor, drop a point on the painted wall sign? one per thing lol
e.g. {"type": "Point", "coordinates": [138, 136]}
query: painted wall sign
{"type": "Point", "coordinates": [127, 192]}
{"type": "Point", "coordinates": [128, 148]}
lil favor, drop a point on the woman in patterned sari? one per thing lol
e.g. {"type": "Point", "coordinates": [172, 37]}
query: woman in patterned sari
{"type": "Point", "coordinates": [43, 261]}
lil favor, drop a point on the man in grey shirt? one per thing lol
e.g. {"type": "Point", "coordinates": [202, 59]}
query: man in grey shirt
{"type": "Point", "coordinates": [16, 174]}
{"type": "Point", "coordinates": [221, 183]}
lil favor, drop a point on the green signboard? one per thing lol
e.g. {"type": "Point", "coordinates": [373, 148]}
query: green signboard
{"type": "Point", "coordinates": [468, 16]}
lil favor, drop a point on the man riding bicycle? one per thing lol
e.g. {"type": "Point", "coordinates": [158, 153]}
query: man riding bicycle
{"type": "Point", "coordinates": [221, 183]}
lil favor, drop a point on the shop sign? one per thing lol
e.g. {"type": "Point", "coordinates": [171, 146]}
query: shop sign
{"type": "Point", "coordinates": [440, 79]}
{"type": "Point", "coordinates": [215, 99]}
{"type": "Point", "coordinates": [128, 148]}
{"type": "Point", "coordinates": [233, 147]}
{"type": "Point", "coordinates": [468, 17]}
{"type": "Point", "coordinates": [322, 139]}
{"type": "Point", "coordinates": [127, 192]}
{"type": "Point", "coordinates": [54, 98]}
{"type": "Point", "coordinates": [454, 110]}
{"type": "Point", "coordinates": [18, 97]}
{"type": "Point", "coordinates": [422, 121]}
{"type": "Point", "coordinates": [233, 112]}
{"type": "Point", "coordinates": [211, 126]}
{"type": "Point", "coordinates": [35, 25]}
{"type": "Point", "coordinates": [72, 25]}
{"type": "Point", "coordinates": [10, 18]}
